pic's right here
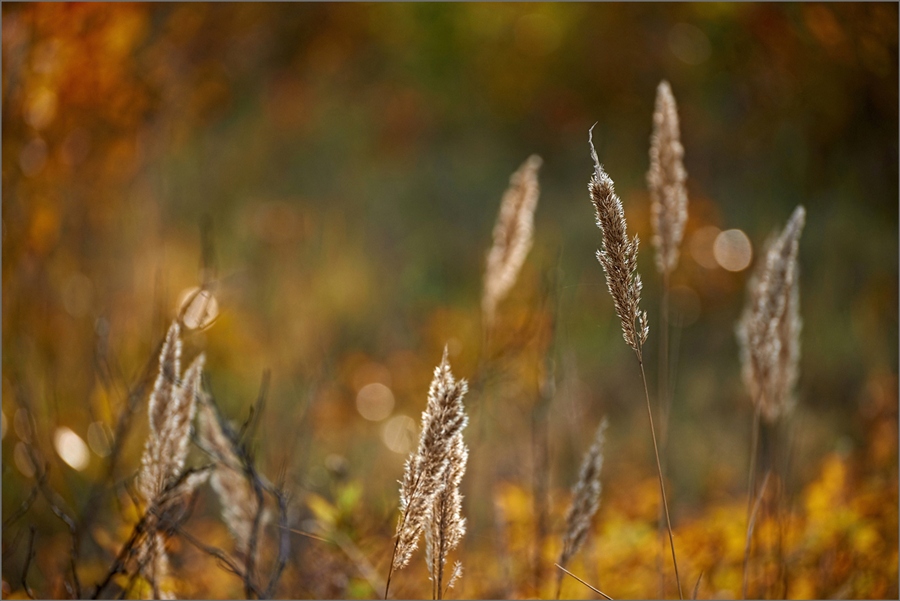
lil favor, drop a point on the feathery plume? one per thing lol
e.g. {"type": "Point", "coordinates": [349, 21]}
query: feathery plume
{"type": "Point", "coordinates": [769, 330]}
{"type": "Point", "coordinates": [172, 408]}
{"type": "Point", "coordinates": [162, 480]}
{"type": "Point", "coordinates": [455, 575]}
{"type": "Point", "coordinates": [167, 380]}
{"type": "Point", "coordinates": [513, 236]}
{"type": "Point", "coordinates": [585, 498]}
{"type": "Point", "coordinates": [237, 499]}
{"type": "Point", "coordinates": [425, 476]}
{"type": "Point", "coordinates": [618, 255]}
{"type": "Point", "coordinates": [666, 179]}
{"type": "Point", "coordinates": [447, 526]}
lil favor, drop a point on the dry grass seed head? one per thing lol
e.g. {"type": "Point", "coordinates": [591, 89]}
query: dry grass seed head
{"type": "Point", "coordinates": [585, 498]}
{"type": "Point", "coordinates": [513, 236]}
{"type": "Point", "coordinates": [167, 445]}
{"type": "Point", "coordinates": [618, 256]}
{"type": "Point", "coordinates": [769, 330]}
{"type": "Point", "coordinates": [236, 496]}
{"type": "Point", "coordinates": [161, 480]}
{"type": "Point", "coordinates": [447, 526]}
{"type": "Point", "coordinates": [444, 417]}
{"type": "Point", "coordinates": [666, 181]}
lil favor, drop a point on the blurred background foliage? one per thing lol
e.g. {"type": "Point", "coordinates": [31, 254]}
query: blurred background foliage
{"type": "Point", "coordinates": [336, 169]}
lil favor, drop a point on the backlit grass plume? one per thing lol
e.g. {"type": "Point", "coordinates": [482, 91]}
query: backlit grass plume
{"type": "Point", "coordinates": [447, 526]}
{"type": "Point", "coordinates": [513, 236]}
{"type": "Point", "coordinates": [618, 256]}
{"type": "Point", "coordinates": [769, 330]}
{"type": "Point", "coordinates": [172, 406]}
{"type": "Point", "coordinates": [162, 481]}
{"type": "Point", "coordinates": [585, 500]}
{"type": "Point", "coordinates": [437, 464]}
{"type": "Point", "coordinates": [665, 180]}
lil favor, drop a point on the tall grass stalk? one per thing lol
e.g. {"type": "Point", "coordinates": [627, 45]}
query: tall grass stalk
{"type": "Point", "coordinates": [666, 182]}
{"type": "Point", "coordinates": [618, 256]}
{"type": "Point", "coordinates": [769, 340]}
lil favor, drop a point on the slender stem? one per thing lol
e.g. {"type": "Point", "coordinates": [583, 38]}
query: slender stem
{"type": "Point", "coordinates": [787, 500]}
{"type": "Point", "coordinates": [539, 443]}
{"type": "Point", "coordinates": [399, 530]}
{"type": "Point", "coordinates": [664, 405]}
{"type": "Point", "coordinates": [750, 490]}
{"type": "Point", "coordinates": [284, 545]}
{"type": "Point", "coordinates": [697, 586]}
{"type": "Point", "coordinates": [29, 555]}
{"type": "Point", "coordinates": [220, 555]}
{"type": "Point", "coordinates": [664, 398]}
{"type": "Point", "coordinates": [439, 559]}
{"type": "Point", "coordinates": [750, 525]}
{"type": "Point", "coordinates": [662, 485]}
{"type": "Point", "coordinates": [391, 569]}
{"type": "Point", "coordinates": [754, 449]}
{"type": "Point", "coordinates": [457, 570]}
{"type": "Point", "coordinates": [596, 590]}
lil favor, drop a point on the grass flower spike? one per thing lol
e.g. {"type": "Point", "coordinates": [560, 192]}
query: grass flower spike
{"type": "Point", "coordinates": [666, 181]}
{"type": "Point", "coordinates": [618, 256]}
{"type": "Point", "coordinates": [769, 330]}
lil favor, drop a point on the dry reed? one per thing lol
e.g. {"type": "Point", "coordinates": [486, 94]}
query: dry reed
{"type": "Point", "coordinates": [769, 330]}
{"type": "Point", "coordinates": [237, 498]}
{"type": "Point", "coordinates": [513, 236]}
{"type": "Point", "coordinates": [666, 181]}
{"type": "Point", "coordinates": [618, 256]}
{"type": "Point", "coordinates": [585, 500]}
{"type": "Point", "coordinates": [162, 480]}
{"type": "Point", "coordinates": [447, 526]}
{"type": "Point", "coordinates": [769, 339]}
{"type": "Point", "coordinates": [440, 454]}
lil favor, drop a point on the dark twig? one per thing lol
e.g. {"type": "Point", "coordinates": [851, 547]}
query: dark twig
{"type": "Point", "coordinates": [135, 395]}
{"type": "Point", "coordinates": [697, 586]}
{"type": "Point", "coordinates": [224, 560]}
{"type": "Point", "coordinates": [249, 427]}
{"type": "Point", "coordinates": [141, 528]}
{"type": "Point", "coordinates": [250, 563]}
{"type": "Point", "coordinates": [54, 502]}
{"type": "Point", "coordinates": [125, 552]}
{"type": "Point", "coordinates": [284, 543]}
{"type": "Point", "coordinates": [29, 555]}
{"type": "Point", "coordinates": [24, 507]}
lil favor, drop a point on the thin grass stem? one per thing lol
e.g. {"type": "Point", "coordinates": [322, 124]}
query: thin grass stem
{"type": "Point", "coordinates": [751, 483]}
{"type": "Point", "coordinates": [662, 485]}
{"type": "Point", "coordinates": [595, 589]}
{"type": "Point", "coordinates": [750, 526]}
{"type": "Point", "coordinates": [664, 406]}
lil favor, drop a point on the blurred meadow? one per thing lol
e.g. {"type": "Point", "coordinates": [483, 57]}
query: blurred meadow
{"type": "Point", "coordinates": [332, 173]}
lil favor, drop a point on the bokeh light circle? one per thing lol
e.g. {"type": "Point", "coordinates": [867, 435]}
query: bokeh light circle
{"type": "Point", "coordinates": [732, 250]}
